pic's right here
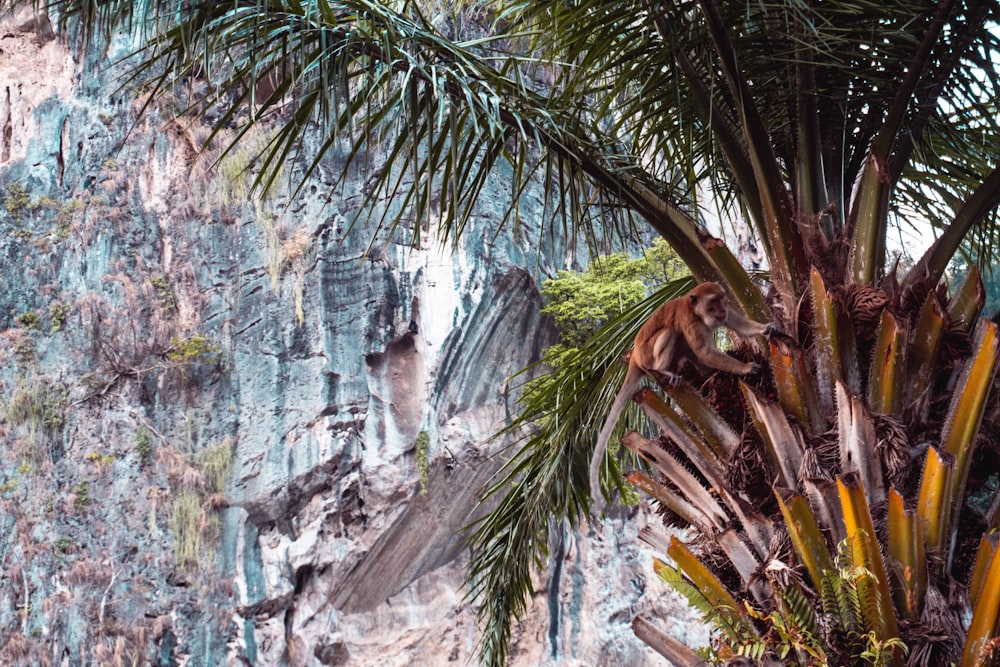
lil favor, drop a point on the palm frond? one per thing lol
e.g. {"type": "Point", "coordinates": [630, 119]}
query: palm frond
{"type": "Point", "coordinates": [547, 476]}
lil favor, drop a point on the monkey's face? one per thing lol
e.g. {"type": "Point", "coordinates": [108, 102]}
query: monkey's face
{"type": "Point", "coordinates": [711, 307]}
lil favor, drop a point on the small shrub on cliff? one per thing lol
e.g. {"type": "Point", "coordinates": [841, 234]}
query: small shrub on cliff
{"type": "Point", "coordinates": [164, 293]}
{"type": "Point", "coordinates": [216, 463]}
{"type": "Point", "coordinates": [195, 349]}
{"type": "Point", "coordinates": [58, 312]}
{"type": "Point", "coordinates": [38, 407]}
{"type": "Point", "coordinates": [24, 348]}
{"type": "Point", "coordinates": [29, 320]}
{"type": "Point", "coordinates": [423, 448]}
{"type": "Point", "coordinates": [199, 485]}
{"type": "Point", "coordinates": [191, 521]}
{"type": "Point", "coordinates": [237, 167]}
{"type": "Point", "coordinates": [100, 461]}
{"type": "Point", "coordinates": [17, 201]}
{"type": "Point", "coordinates": [34, 404]}
{"type": "Point", "coordinates": [143, 446]}
{"type": "Point", "coordinates": [65, 214]}
{"type": "Point", "coordinates": [81, 495]}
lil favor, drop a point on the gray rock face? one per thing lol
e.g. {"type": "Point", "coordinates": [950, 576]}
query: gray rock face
{"type": "Point", "coordinates": [215, 413]}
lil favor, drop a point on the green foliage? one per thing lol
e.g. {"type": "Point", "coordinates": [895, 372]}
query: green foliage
{"type": "Point", "coordinates": [828, 632]}
{"type": "Point", "coordinates": [546, 476]}
{"type": "Point", "coordinates": [17, 201]}
{"type": "Point", "coordinates": [164, 293]}
{"type": "Point", "coordinates": [423, 449]}
{"type": "Point", "coordinates": [193, 524]}
{"type": "Point", "coordinates": [58, 313]}
{"type": "Point", "coordinates": [216, 464]}
{"type": "Point", "coordinates": [81, 493]}
{"type": "Point", "coordinates": [29, 320]}
{"type": "Point", "coordinates": [194, 349]}
{"type": "Point", "coordinates": [731, 632]}
{"type": "Point", "coordinates": [65, 213]}
{"type": "Point", "coordinates": [100, 460]}
{"type": "Point", "coordinates": [143, 446]}
{"type": "Point", "coordinates": [38, 407]}
{"type": "Point", "coordinates": [845, 600]}
{"type": "Point", "coordinates": [791, 630]}
{"type": "Point", "coordinates": [194, 520]}
{"type": "Point", "coordinates": [880, 653]}
{"type": "Point", "coordinates": [581, 302]}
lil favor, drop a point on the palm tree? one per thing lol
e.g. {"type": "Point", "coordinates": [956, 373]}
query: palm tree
{"type": "Point", "coordinates": [852, 488]}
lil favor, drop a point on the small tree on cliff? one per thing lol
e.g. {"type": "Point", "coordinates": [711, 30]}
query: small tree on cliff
{"type": "Point", "coordinates": [847, 488]}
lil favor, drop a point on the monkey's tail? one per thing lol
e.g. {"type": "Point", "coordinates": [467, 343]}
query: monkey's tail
{"type": "Point", "coordinates": [631, 383]}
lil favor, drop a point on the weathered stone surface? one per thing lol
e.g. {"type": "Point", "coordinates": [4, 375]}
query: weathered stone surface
{"type": "Point", "coordinates": [154, 321]}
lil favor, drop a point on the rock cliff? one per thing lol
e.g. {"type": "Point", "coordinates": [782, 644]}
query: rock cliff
{"type": "Point", "coordinates": [234, 432]}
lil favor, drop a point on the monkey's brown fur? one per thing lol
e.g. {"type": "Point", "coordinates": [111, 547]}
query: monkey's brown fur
{"type": "Point", "coordinates": [681, 330]}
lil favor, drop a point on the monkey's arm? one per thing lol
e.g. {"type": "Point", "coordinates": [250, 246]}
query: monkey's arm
{"type": "Point", "coordinates": [746, 327]}
{"type": "Point", "coordinates": [703, 348]}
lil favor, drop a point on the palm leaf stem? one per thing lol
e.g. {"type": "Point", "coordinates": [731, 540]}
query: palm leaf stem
{"type": "Point", "coordinates": [909, 560]}
{"type": "Point", "coordinates": [829, 363]}
{"type": "Point", "coordinates": [722, 130]}
{"type": "Point", "coordinates": [965, 415]}
{"type": "Point", "coordinates": [983, 627]}
{"type": "Point", "coordinates": [719, 598]}
{"type": "Point", "coordinates": [864, 546]}
{"type": "Point", "coordinates": [796, 385]}
{"type": "Point", "coordinates": [984, 555]}
{"type": "Point", "coordinates": [806, 535]}
{"type": "Point", "coordinates": [924, 351]}
{"type": "Point", "coordinates": [870, 210]}
{"type": "Point", "coordinates": [661, 642]}
{"type": "Point", "coordinates": [698, 450]}
{"type": "Point", "coordinates": [856, 433]}
{"type": "Point", "coordinates": [810, 178]}
{"type": "Point", "coordinates": [931, 265]}
{"type": "Point", "coordinates": [694, 516]}
{"type": "Point", "coordinates": [935, 488]}
{"type": "Point", "coordinates": [688, 485]}
{"type": "Point", "coordinates": [788, 263]}
{"type": "Point", "coordinates": [721, 439]}
{"type": "Point", "coordinates": [782, 442]}
{"type": "Point", "coordinates": [888, 367]}
{"type": "Point", "coordinates": [966, 303]}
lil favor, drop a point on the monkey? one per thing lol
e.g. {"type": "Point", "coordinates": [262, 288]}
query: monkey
{"type": "Point", "coordinates": [681, 330]}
